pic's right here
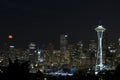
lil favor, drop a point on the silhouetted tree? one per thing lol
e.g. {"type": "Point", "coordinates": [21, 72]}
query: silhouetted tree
{"type": "Point", "coordinates": [117, 72]}
{"type": "Point", "coordinates": [17, 70]}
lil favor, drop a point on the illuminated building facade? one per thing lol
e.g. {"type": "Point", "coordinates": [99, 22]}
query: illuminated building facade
{"type": "Point", "coordinates": [33, 58]}
{"type": "Point", "coordinates": [92, 52]}
{"type": "Point", "coordinates": [63, 48]}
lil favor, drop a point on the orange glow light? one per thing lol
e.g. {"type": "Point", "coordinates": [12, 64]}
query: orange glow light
{"type": "Point", "coordinates": [10, 36]}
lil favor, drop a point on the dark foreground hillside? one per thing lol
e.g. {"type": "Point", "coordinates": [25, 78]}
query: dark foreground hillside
{"type": "Point", "coordinates": [20, 71]}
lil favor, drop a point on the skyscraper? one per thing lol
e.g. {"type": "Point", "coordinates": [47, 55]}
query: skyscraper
{"type": "Point", "coordinates": [63, 46]}
{"type": "Point", "coordinates": [63, 42]}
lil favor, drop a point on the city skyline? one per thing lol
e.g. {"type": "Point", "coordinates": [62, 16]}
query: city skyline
{"type": "Point", "coordinates": [44, 21]}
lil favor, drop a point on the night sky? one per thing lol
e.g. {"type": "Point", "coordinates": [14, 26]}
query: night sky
{"type": "Point", "coordinates": [43, 21]}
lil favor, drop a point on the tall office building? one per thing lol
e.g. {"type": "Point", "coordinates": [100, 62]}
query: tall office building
{"type": "Point", "coordinates": [92, 52]}
{"type": "Point", "coordinates": [63, 47]}
{"type": "Point", "coordinates": [63, 42]}
{"type": "Point", "coordinates": [32, 57]}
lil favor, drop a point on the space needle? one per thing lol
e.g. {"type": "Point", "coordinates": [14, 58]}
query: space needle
{"type": "Point", "coordinates": [99, 63]}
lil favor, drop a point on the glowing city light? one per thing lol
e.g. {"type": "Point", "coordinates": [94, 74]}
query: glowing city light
{"type": "Point", "coordinates": [10, 36]}
{"type": "Point", "coordinates": [39, 52]}
{"type": "Point", "coordinates": [66, 35]}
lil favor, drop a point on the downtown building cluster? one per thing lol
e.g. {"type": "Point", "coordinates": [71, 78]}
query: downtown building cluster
{"type": "Point", "coordinates": [68, 55]}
